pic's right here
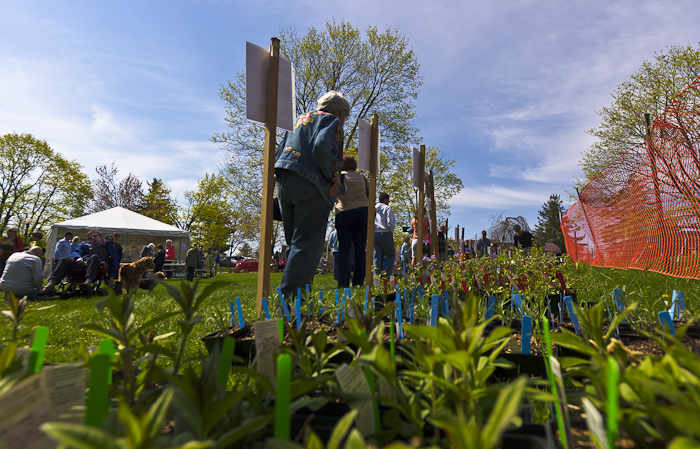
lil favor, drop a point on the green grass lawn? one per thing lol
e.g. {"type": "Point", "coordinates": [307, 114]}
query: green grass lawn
{"type": "Point", "coordinates": [66, 319]}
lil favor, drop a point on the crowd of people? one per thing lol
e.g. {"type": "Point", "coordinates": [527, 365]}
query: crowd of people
{"type": "Point", "coordinates": [313, 177]}
{"type": "Point", "coordinates": [100, 256]}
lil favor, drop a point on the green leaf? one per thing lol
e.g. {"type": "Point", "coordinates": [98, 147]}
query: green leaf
{"type": "Point", "coordinates": [507, 406]}
{"type": "Point", "coordinates": [355, 440]}
{"type": "Point", "coordinates": [341, 429]}
{"type": "Point", "coordinates": [80, 436]}
{"type": "Point", "coordinates": [684, 443]}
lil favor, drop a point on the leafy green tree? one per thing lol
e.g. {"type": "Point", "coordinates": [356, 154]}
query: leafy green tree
{"type": "Point", "coordinates": [110, 192]}
{"type": "Point", "coordinates": [38, 186]}
{"type": "Point", "coordinates": [650, 90]}
{"type": "Point", "coordinates": [377, 71]}
{"type": "Point", "coordinates": [548, 229]}
{"type": "Point", "coordinates": [158, 204]}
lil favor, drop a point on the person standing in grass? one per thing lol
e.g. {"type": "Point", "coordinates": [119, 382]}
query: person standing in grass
{"type": "Point", "coordinates": [191, 262]}
{"type": "Point", "coordinates": [307, 164]}
{"type": "Point", "coordinates": [482, 245]}
{"type": "Point", "coordinates": [522, 239]}
{"type": "Point", "coordinates": [351, 224]}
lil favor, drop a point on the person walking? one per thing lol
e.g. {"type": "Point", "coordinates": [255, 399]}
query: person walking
{"type": "Point", "coordinates": [384, 224]}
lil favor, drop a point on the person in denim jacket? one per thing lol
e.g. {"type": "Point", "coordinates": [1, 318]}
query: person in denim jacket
{"type": "Point", "coordinates": [307, 166]}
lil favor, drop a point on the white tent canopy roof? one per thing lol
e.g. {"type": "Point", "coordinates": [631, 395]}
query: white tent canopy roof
{"type": "Point", "coordinates": [119, 219]}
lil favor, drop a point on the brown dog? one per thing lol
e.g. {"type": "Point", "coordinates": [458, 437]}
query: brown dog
{"type": "Point", "coordinates": [130, 274]}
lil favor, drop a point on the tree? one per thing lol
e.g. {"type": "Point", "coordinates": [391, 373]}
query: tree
{"type": "Point", "coordinates": [158, 204]}
{"type": "Point", "coordinates": [650, 90]}
{"type": "Point", "coordinates": [377, 72]}
{"type": "Point", "coordinates": [548, 229]}
{"type": "Point", "coordinates": [109, 193]}
{"type": "Point", "coordinates": [37, 185]}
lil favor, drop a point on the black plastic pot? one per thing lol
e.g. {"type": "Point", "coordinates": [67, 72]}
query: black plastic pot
{"type": "Point", "coordinates": [532, 365]}
{"type": "Point", "coordinates": [244, 348]}
{"type": "Point", "coordinates": [534, 436]}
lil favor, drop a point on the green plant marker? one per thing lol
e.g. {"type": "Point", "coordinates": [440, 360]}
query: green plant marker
{"type": "Point", "coordinates": [96, 404]}
{"type": "Point", "coordinates": [225, 361]}
{"type": "Point", "coordinates": [375, 405]}
{"type": "Point", "coordinates": [392, 344]}
{"type": "Point", "coordinates": [36, 355]}
{"type": "Point", "coordinates": [552, 382]}
{"type": "Point", "coordinates": [283, 424]}
{"type": "Point", "coordinates": [613, 400]}
{"type": "Point", "coordinates": [107, 347]}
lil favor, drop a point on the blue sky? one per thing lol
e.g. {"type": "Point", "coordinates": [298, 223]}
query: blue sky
{"type": "Point", "coordinates": [510, 86]}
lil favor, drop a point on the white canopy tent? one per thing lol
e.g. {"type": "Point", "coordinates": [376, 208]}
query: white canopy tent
{"type": "Point", "coordinates": [135, 231]}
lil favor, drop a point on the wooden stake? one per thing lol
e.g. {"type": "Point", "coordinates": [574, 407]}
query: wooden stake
{"type": "Point", "coordinates": [265, 253]}
{"type": "Point", "coordinates": [421, 203]}
{"type": "Point", "coordinates": [433, 214]}
{"type": "Point", "coordinates": [372, 195]}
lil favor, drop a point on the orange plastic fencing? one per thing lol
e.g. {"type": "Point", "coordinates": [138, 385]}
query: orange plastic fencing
{"type": "Point", "coordinates": [643, 210]}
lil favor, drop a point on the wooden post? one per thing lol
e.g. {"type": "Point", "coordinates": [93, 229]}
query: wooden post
{"type": "Point", "coordinates": [265, 254]}
{"type": "Point", "coordinates": [421, 203]}
{"type": "Point", "coordinates": [372, 195]}
{"type": "Point", "coordinates": [433, 215]}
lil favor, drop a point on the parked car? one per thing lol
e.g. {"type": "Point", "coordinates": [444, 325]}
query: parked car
{"type": "Point", "coordinates": [231, 261]}
{"type": "Point", "coordinates": [247, 265]}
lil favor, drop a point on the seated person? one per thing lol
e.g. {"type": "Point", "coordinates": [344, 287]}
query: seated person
{"type": "Point", "coordinates": [23, 273]}
{"type": "Point", "coordinates": [90, 254]}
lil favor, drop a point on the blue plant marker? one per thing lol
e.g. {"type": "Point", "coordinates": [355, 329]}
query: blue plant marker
{"type": "Point", "coordinates": [308, 299]}
{"type": "Point", "coordinates": [366, 299]}
{"type": "Point", "coordinates": [297, 306]}
{"type": "Point", "coordinates": [610, 318]}
{"type": "Point", "coordinates": [446, 303]}
{"type": "Point", "coordinates": [241, 321]}
{"type": "Point", "coordinates": [411, 313]}
{"type": "Point", "coordinates": [617, 300]}
{"type": "Point", "coordinates": [284, 304]}
{"type": "Point", "coordinates": [518, 301]}
{"type": "Point", "coordinates": [677, 303]}
{"type": "Point", "coordinates": [434, 306]}
{"type": "Point", "coordinates": [490, 305]}
{"type": "Point", "coordinates": [399, 320]}
{"type": "Point", "coordinates": [526, 333]}
{"type": "Point", "coordinates": [572, 313]}
{"type": "Point", "coordinates": [320, 302]}
{"type": "Point", "coordinates": [667, 323]}
{"type": "Point", "coordinates": [265, 308]}
{"type": "Point", "coordinates": [232, 308]}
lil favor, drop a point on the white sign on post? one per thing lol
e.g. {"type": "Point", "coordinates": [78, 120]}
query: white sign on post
{"type": "Point", "coordinates": [257, 61]}
{"type": "Point", "coordinates": [364, 145]}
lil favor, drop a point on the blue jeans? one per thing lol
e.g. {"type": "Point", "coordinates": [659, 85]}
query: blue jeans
{"type": "Point", "coordinates": [351, 226]}
{"type": "Point", "coordinates": [305, 218]}
{"type": "Point", "coordinates": [384, 247]}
